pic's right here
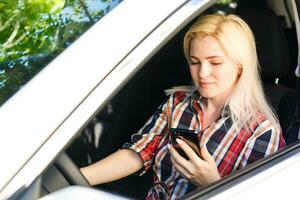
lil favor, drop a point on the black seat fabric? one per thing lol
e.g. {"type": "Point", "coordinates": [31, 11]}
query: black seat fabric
{"type": "Point", "coordinates": [141, 97]}
{"type": "Point", "coordinates": [273, 56]}
{"type": "Point", "coordinates": [271, 41]}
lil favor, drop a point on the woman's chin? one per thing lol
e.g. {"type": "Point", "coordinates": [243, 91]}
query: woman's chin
{"type": "Point", "coordinates": [205, 93]}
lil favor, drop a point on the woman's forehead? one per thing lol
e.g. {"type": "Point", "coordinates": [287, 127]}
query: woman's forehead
{"type": "Point", "coordinates": [206, 46]}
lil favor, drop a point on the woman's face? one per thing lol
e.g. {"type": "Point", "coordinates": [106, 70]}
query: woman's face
{"type": "Point", "coordinates": [213, 73]}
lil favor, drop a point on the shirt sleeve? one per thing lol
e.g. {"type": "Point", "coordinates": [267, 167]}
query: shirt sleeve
{"type": "Point", "coordinates": [150, 137]}
{"type": "Point", "coordinates": [266, 140]}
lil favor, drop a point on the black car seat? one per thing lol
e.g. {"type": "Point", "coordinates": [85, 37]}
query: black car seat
{"type": "Point", "coordinates": [274, 58]}
{"type": "Point", "coordinates": [140, 98]}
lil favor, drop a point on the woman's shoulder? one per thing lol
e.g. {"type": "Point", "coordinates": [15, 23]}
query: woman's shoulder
{"type": "Point", "coordinates": [260, 123]}
{"type": "Point", "coordinates": [267, 131]}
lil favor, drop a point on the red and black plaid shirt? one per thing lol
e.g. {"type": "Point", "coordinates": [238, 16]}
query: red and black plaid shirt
{"type": "Point", "coordinates": [231, 148]}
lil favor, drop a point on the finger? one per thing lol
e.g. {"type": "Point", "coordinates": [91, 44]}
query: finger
{"type": "Point", "coordinates": [177, 156]}
{"type": "Point", "coordinates": [187, 149]}
{"type": "Point", "coordinates": [206, 155]}
{"type": "Point", "coordinates": [180, 169]}
{"type": "Point", "coordinates": [179, 159]}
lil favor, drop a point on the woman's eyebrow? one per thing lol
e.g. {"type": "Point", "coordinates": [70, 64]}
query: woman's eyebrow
{"type": "Point", "coordinates": [214, 56]}
{"type": "Point", "coordinates": [191, 56]}
{"type": "Point", "coordinates": [208, 57]}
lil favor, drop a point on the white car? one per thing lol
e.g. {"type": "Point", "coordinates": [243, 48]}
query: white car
{"type": "Point", "coordinates": [92, 96]}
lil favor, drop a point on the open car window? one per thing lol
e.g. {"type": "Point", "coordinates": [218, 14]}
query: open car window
{"type": "Point", "coordinates": [34, 32]}
{"type": "Point", "coordinates": [129, 109]}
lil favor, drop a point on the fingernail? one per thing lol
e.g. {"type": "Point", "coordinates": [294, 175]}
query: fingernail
{"type": "Point", "coordinates": [178, 140]}
{"type": "Point", "coordinates": [169, 146]}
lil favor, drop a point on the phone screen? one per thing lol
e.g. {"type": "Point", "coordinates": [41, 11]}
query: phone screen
{"type": "Point", "coordinates": [189, 136]}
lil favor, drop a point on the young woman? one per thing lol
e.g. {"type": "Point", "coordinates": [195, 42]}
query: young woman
{"type": "Point", "coordinates": [226, 109]}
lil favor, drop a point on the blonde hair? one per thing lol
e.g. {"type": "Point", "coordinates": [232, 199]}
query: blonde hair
{"type": "Point", "coordinates": [235, 36]}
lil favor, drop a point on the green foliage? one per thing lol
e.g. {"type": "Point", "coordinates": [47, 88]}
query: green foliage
{"type": "Point", "coordinates": [224, 2]}
{"type": "Point", "coordinates": [33, 32]}
{"type": "Point", "coordinates": [42, 6]}
{"type": "Point", "coordinates": [28, 24]}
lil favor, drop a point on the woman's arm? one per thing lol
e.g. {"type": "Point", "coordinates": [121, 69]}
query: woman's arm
{"type": "Point", "coordinates": [117, 165]}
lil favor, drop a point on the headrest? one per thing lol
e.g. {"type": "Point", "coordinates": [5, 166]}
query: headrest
{"type": "Point", "coordinates": [271, 41]}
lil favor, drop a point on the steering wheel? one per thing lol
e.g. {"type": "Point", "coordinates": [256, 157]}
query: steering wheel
{"type": "Point", "coordinates": [70, 171]}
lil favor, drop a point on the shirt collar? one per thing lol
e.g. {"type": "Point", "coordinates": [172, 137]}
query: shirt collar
{"type": "Point", "coordinates": [225, 111]}
{"type": "Point", "coordinates": [195, 96]}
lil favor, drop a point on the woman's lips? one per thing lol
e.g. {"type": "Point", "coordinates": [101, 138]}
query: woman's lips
{"type": "Point", "coordinates": [205, 83]}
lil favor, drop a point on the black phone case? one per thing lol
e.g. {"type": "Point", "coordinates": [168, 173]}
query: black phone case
{"type": "Point", "coordinates": [189, 136]}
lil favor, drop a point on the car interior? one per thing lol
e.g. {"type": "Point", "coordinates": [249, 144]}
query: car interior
{"type": "Point", "coordinates": [135, 102]}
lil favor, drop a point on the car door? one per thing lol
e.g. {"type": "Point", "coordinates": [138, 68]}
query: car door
{"type": "Point", "coordinates": [41, 118]}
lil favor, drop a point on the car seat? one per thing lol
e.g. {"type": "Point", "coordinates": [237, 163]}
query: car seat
{"type": "Point", "coordinates": [274, 58]}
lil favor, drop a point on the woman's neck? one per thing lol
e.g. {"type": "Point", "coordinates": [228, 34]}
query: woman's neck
{"type": "Point", "coordinates": [216, 104]}
{"type": "Point", "coordinates": [212, 111]}
{"type": "Point", "coordinates": [213, 105]}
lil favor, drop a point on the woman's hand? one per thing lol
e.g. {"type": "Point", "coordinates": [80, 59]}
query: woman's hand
{"type": "Point", "coordinates": [202, 171]}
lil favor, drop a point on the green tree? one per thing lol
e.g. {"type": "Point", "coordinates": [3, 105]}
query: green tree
{"type": "Point", "coordinates": [33, 32]}
{"type": "Point", "coordinates": [27, 24]}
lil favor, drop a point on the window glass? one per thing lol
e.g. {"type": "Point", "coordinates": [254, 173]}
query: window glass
{"type": "Point", "coordinates": [33, 32]}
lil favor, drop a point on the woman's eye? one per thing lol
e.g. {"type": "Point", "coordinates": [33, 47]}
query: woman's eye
{"type": "Point", "coordinates": [195, 63]}
{"type": "Point", "coordinates": [216, 63]}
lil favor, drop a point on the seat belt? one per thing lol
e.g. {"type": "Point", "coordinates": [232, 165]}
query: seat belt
{"type": "Point", "coordinates": [297, 71]}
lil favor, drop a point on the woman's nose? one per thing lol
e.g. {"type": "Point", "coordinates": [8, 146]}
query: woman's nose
{"type": "Point", "coordinates": [204, 70]}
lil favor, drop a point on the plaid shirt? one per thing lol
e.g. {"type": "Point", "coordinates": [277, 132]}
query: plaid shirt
{"type": "Point", "coordinates": [231, 148]}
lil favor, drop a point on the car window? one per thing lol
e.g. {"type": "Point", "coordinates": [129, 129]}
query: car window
{"type": "Point", "coordinates": [130, 108]}
{"type": "Point", "coordinates": [34, 32]}
{"type": "Point", "coordinates": [125, 113]}
{"type": "Point", "coordinates": [91, 143]}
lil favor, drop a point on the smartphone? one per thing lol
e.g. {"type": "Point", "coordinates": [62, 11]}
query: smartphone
{"type": "Point", "coordinates": [189, 136]}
